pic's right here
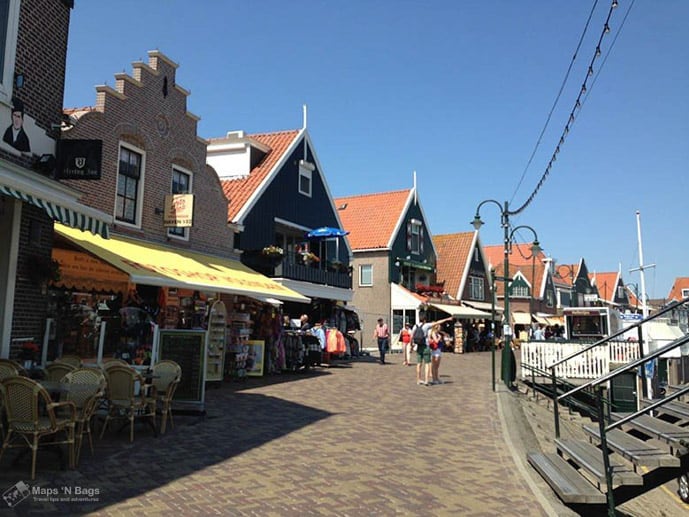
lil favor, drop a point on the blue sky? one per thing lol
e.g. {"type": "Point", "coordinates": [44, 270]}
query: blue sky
{"type": "Point", "coordinates": [458, 91]}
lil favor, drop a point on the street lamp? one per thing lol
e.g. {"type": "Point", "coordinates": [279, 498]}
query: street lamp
{"type": "Point", "coordinates": [508, 234]}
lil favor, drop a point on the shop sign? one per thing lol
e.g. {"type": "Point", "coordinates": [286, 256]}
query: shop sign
{"type": "Point", "coordinates": [79, 159]}
{"type": "Point", "coordinates": [85, 272]}
{"type": "Point", "coordinates": [179, 210]}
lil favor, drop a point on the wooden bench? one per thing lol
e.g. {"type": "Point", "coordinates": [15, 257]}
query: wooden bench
{"type": "Point", "coordinates": [590, 458]}
{"type": "Point", "coordinates": [564, 479]}
{"type": "Point", "coordinates": [637, 451]}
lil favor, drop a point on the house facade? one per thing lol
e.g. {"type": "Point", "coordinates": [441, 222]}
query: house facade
{"type": "Point", "coordinates": [394, 256]}
{"type": "Point", "coordinates": [32, 75]}
{"type": "Point", "coordinates": [284, 217]}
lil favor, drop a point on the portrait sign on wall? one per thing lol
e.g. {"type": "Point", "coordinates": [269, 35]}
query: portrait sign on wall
{"type": "Point", "coordinates": [21, 135]}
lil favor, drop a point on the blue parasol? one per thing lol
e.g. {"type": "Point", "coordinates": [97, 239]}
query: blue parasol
{"type": "Point", "coordinates": [328, 231]}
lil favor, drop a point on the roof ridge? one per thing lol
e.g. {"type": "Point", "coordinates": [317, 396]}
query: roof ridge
{"type": "Point", "coordinates": [371, 194]}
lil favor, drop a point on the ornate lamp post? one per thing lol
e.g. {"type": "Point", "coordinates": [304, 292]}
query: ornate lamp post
{"type": "Point", "coordinates": [508, 234]}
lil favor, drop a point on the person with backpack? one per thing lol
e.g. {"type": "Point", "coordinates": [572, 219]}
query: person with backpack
{"type": "Point", "coordinates": [423, 351]}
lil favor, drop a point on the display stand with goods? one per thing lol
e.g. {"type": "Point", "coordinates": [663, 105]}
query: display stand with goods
{"type": "Point", "coordinates": [238, 349]}
{"type": "Point", "coordinates": [216, 338]}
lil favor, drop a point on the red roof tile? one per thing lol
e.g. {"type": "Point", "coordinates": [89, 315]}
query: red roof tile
{"type": "Point", "coordinates": [520, 261]}
{"type": "Point", "coordinates": [676, 291]}
{"type": "Point", "coordinates": [606, 284]}
{"type": "Point", "coordinates": [239, 191]}
{"type": "Point", "coordinates": [453, 250]}
{"type": "Point", "coordinates": [371, 219]}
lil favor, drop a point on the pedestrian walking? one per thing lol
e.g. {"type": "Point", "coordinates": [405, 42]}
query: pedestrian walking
{"type": "Point", "coordinates": [435, 343]}
{"type": "Point", "coordinates": [420, 336]}
{"type": "Point", "coordinates": [405, 339]}
{"type": "Point", "coordinates": [382, 335]}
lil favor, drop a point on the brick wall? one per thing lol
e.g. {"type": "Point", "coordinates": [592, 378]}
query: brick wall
{"type": "Point", "coordinates": [149, 110]}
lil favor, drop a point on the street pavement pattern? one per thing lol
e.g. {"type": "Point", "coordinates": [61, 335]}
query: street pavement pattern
{"type": "Point", "coordinates": [354, 439]}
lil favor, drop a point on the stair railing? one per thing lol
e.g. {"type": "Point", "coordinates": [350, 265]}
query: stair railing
{"type": "Point", "coordinates": [604, 416]}
{"type": "Point", "coordinates": [603, 342]}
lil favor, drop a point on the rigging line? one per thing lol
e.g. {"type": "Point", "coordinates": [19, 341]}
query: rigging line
{"type": "Point", "coordinates": [577, 107]}
{"type": "Point", "coordinates": [557, 99]}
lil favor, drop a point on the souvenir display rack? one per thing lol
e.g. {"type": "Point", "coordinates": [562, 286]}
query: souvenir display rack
{"type": "Point", "coordinates": [216, 339]}
{"type": "Point", "coordinates": [239, 325]}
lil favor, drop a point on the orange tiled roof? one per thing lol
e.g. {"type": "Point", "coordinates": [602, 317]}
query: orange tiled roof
{"type": "Point", "coordinates": [371, 219]}
{"type": "Point", "coordinates": [606, 284]}
{"type": "Point", "coordinates": [680, 283]}
{"type": "Point", "coordinates": [565, 273]}
{"type": "Point", "coordinates": [520, 260]}
{"type": "Point", "coordinates": [239, 191]}
{"type": "Point", "coordinates": [453, 250]}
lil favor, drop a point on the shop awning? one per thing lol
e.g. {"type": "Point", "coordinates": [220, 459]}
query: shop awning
{"type": "Point", "coordinates": [460, 311]}
{"type": "Point", "coordinates": [521, 318]}
{"type": "Point", "coordinates": [483, 306]}
{"type": "Point", "coordinates": [59, 202]}
{"type": "Point", "coordinates": [154, 264]}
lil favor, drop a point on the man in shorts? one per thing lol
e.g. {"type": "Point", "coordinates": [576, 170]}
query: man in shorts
{"type": "Point", "coordinates": [423, 352]}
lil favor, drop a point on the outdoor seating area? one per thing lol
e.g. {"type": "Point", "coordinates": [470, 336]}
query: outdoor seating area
{"type": "Point", "coordinates": [56, 407]}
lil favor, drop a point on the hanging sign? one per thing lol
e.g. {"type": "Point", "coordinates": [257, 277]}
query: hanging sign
{"type": "Point", "coordinates": [179, 210]}
{"type": "Point", "coordinates": [79, 159]}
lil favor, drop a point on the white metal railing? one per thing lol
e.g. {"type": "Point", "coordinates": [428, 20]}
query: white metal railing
{"type": "Point", "coordinates": [589, 365]}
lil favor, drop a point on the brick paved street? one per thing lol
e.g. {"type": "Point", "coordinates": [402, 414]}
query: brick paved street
{"type": "Point", "coordinates": [356, 439]}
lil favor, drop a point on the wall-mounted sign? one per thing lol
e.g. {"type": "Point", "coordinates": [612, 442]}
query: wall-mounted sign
{"type": "Point", "coordinates": [79, 159]}
{"type": "Point", "coordinates": [179, 210]}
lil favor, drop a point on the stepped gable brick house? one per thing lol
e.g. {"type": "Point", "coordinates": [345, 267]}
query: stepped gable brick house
{"type": "Point", "coordinates": [278, 195]}
{"type": "Point", "coordinates": [33, 43]}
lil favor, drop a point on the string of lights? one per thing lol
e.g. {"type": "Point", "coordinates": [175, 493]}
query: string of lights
{"type": "Point", "coordinates": [573, 113]}
{"type": "Point", "coordinates": [557, 99]}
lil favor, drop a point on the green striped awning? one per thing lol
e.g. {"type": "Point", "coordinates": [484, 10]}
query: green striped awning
{"type": "Point", "coordinates": [67, 216]}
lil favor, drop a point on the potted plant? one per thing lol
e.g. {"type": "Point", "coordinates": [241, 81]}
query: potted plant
{"type": "Point", "coordinates": [28, 354]}
{"type": "Point", "coordinates": [273, 251]}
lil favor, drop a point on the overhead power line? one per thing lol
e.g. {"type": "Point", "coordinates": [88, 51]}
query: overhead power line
{"type": "Point", "coordinates": [585, 86]}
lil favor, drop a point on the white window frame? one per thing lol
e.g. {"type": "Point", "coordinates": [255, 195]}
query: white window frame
{"type": "Point", "coordinates": [369, 267]}
{"type": "Point", "coordinates": [476, 288]}
{"type": "Point", "coordinates": [184, 236]}
{"type": "Point", "coordinates": [305, 171]}
{"type": "Point", "coordinates": [140, 189]}
{"type": "Point", "coordinates": [10, 52]}
{"type": "Point", "coordinates": [416, 236]}
{"type": "Point", "coordinates": [685, 293]}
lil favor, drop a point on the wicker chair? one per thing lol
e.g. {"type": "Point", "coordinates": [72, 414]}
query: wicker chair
{"type": "Point", "coordinates": [31, 415]}
{"type": "Point", "coordinates": [7, 369]}
{"type": "Point", "coordinates": [14, 364]}
{"type": "Point", "coordinates": [87, 388]}
{"type": "Point", "coordinates": [124, 402]}
{"type": "Point", "coordinates": [166, 377]}
{"type": "Point", "coordinates": [73, 360]}
{"type": "Point", "coordinates": [57, 370]}
{"type": "Point", "coordinates": [107, 363]}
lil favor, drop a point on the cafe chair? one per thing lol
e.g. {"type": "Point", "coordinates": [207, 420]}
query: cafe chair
{"type": "Point", "coordinates": [112, 361]}
{"type": "Point", "coordinates": [32, 415]}
{"type": "Point", "coordinates": [86, 388]}
{"type": "Point", "coordinates": [14, 364]}
{"type": "Point", "coordinates": [166, 377]}
{"type": "Point", "coordinates": [128, 397]}
{"type": "Point", "coordinates": [73, 360]}
{"type": "Point", "coordinates": [56, 370]}
{"type": "Point", "coordinates": [7, 369]}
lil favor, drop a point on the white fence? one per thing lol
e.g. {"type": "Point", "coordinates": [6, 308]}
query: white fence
{"type": "Point", "coordinates": [589, 365]}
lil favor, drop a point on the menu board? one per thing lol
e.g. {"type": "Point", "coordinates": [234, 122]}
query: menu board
{"type": "Point", "coordinates": [188, 349]}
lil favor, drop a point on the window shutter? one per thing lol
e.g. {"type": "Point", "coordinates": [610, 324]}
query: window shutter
{"type": "Point", "coordinates": [409, 236]}
{"type": "Point", "coordinates": [421, 240]}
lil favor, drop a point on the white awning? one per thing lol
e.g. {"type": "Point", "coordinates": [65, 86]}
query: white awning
{"type": "Point", "coordinates": [661, 333]}
{"type": "Point", "coordinates": [460, 311]}
{"type": "Point", "coordinates": [59, 202]}
{"type": "Point", "coordinates": [521, 318]}
{"type": "Point", "coordinates": [402, 298]}
{"type": "Point", "coordinates": [483, 306]}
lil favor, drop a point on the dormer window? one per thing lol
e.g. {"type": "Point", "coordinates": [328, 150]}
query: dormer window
{"type": "Point", "coordinates": [305, 177]}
